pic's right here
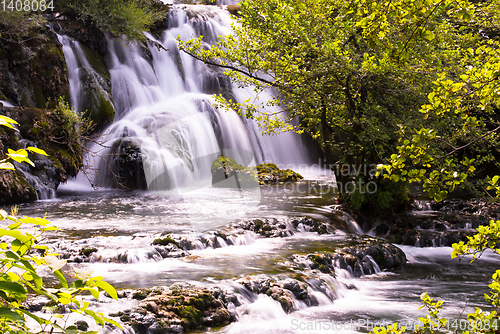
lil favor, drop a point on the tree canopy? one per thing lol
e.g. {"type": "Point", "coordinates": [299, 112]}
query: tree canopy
{"type": "Point", "coordinates": [408, 84]}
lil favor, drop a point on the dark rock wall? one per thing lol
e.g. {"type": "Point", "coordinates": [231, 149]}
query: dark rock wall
{"type": "Point", "coordinates": [48, 130]}
{"type": "Point", "coordinates": [33, 72]}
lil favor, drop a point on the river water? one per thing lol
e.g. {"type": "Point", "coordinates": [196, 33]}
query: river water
{"type": "Point", "coordinates": [121, 222]}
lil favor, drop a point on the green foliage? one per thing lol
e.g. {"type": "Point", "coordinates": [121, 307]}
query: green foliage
{"type": "Point", "coordinates": [431, 322]}
{"type": "Point", "coordinates": [386, 198]}
{"type": "Point", "coordinates": [488, 237]}
{"type": "Point", "coordinates": [73, 125]}
{"type": "Point", "coordinates": [20, 26]}
{"type": "Point", "coordinates": [130, 18]}
{"type": "Point", "coordinates": [19, 278]}
{"type": "Point", "coordinates": [20, 155]}
{"type": "Point", "coordinates": [20, 264]}
{"type": "Point", "coordinates": [462, 109]}
{"type": "Point", "coordinates": [370, 78]}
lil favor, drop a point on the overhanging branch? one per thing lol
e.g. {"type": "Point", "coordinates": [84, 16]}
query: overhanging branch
{"type": "Point", "coordinates": [229, 67]}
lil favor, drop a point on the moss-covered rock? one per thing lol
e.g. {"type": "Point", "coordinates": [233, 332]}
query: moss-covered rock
{"type": "Point", "coordinates": [95, 102]}
{"type": "Point", "coordinates": [50, 130]}
{"type": "Point", "coordinates": [284, 290]}
{"type": "Point", "coordinates": [365, 256]}
{"type": "Point", "coordinates": [224, 168]}
{"type": "Point", "coordinates": [274, 228]}
{"type": "Point", "coordinates": [165, 241]}
{"type": "Point", "coordinates": [14, 188]}
{"type": "Point", "coordinates": [271, 174]}
{"type": "Point", "coordinates": [33, 71]}
{"type": "Point", "coordinates": [177, 309]}
{"type": "Point", "coordinates": [127, 165]}
{"type": "Point", "coordinates": [87, 251]}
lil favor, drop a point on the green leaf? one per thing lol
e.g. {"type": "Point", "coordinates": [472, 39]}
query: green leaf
{"type": "Point", "coordinates": [41, 321]}
{"type": "Point", "coordinates": [113, 322]}
{"type": "Point", "coordinates": [441, 196]}
{"type": "Point", "coordinates": [38, 281]}
{"type": "Point", "coordinates": [97, 317]}
{"type": "Point", "coordinates": [108, 288]}
{"type": "Point", "coordinates": [9, 314]}
{"type": "Point", "coordinates": [4, 123]}
{"type": "Point", "coordinates": [37, 150]}
{"type": "Point", "coordinates": [93, 291]}
{"type": "Point", "coordinates": [34, 221]}
{"type": "Point", "coordinates": [7, 165]}
{"type": "Point", "coordinates": [7, 120]}
{"type": "Point", "coordinates": [12, 287]}
{"type": "Point", "coordinates": [60, 276]}
{"type": "Point", "coordinates": [15, 234]}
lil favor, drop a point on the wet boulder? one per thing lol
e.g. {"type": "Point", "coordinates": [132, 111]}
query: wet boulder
{"type": "Point", "coordinates": [176, 309]}
{"type": "Point", "coordinates": [227, 173]}
{"type": "Point", "coordinates": [128, 166]}
{"type": "Point", "coordinates": [287, 291]}
{"type": "Point", "coordinates": [365, 256]}
{"type": "Point", "coordinates": [271, 174]}
{"type": "Point", "coordinates": [280, 228]}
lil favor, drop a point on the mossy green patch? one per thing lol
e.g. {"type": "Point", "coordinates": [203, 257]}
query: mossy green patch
{"type": "Point", "coordinates": [226, 163]}
{"type": "Point", "coordinates": [166, 241]}
{"type": "Point", "coordinates": [96, 61]}
{"type": "Point", "coordinates": [270, 173]}
{"type": "Point", "coordinates": [191, 315]}
{"type": "Point", "coordinates": [88, 251]}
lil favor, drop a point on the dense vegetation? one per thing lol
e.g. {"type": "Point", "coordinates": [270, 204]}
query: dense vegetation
{"type": "Point", "coordinates": [128, 18]}
{"type": "Point", "coordinates": [410, 85]}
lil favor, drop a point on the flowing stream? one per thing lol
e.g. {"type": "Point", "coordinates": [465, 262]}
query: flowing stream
{"type": "Point", "coordinates": [121, 226]}
{"type": "Point", "coordinates": [162, 101]}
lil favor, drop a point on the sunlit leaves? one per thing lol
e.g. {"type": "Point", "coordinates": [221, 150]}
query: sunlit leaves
{"type": "Point", "coordinates": [487, 237]}
{"type": "Point", "coordinates": [37, 150]}
{"type": "Point", "coordinates": [19, 264]}
{"type": "Point", "coordinates": [18, 275]}
{"type": "Point", "coordinates": [7, 121]}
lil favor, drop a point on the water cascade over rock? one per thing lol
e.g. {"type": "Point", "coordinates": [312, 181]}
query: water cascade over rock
{"type": "Point", "coordinates": [166, 133]}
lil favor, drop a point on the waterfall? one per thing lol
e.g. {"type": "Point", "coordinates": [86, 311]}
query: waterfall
{"type": "Point", "coordinates": [166, 132]}
{"type": "Point", "coordinates": [87, 87]}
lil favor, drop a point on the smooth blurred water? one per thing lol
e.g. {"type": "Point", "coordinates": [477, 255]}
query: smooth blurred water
{"type": "Point", "coordinates": [118, 222]}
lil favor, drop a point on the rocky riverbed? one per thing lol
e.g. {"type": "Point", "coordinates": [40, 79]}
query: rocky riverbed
{"type": "Point", "coordinates": [435, 224]}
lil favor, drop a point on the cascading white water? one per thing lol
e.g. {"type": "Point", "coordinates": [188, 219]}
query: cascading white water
{"type": "Point", "coordinates": [164, 109]}
{"type": "Point", "coordinates": [7, 104]}
{"type": "Point", "coordinates": [80, 71]}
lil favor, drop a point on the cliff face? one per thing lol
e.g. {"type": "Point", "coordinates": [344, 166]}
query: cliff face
{"type": "Point", "coordinates": [33, 71]}
{"type": "Point", "coordinates": [33, 75]}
